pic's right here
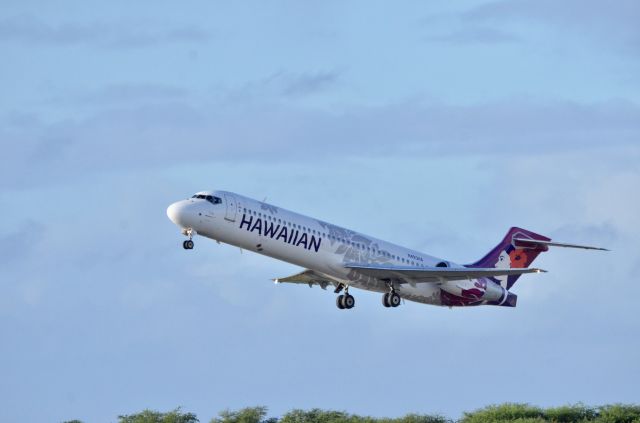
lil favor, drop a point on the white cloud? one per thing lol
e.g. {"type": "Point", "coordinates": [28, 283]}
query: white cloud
{"type": "Point", "coordinates": [30, 30]}
{"type": "Point", "coordinates": [177, 132]}
{"type": "Point", "coordinates": [615, 23]}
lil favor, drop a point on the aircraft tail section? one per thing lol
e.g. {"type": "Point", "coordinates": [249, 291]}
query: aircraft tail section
{"type": "Point", "coordinates": [518, 249]}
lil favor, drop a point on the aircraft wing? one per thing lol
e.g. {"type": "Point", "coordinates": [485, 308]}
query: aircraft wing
{"type": "Point", "coordinates": [309, 277]}
{"type": "Point", "coordinates": [401, 274]}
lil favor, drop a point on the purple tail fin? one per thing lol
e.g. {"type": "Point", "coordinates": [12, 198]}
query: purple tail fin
{"type": "Point", "coordinates": [509, 255]}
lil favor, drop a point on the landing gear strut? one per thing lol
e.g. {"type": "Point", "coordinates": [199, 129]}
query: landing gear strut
{"type": "Point", "coordinates": [391, 299]}
{"type": "Point", "coordinates": [345, 301]}
{"type": "Point", "coordinates": [188, 244]}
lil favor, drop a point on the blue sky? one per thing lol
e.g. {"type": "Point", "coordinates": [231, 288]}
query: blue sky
{"type": "Point", "coordinates": [435, 125]}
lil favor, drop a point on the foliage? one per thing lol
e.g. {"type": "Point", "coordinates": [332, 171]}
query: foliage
{"type": "Point", "coordinates": [245, 415]}
{"type": "Point", "coordinates": [151, 416]}
{"type": "Point", "coordinates": [570, 413]}
{"type": "Point", "coordinates": [315, 415]}
{"type": "Point", "coordinates": [619, 413]}
{"type": "Point", "coordinates": [422, 418]}
{"type": "Point", "coordinates": [508, 412]}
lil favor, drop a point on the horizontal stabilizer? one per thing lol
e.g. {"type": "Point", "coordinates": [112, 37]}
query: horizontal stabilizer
{"type": "Point", "coordinates": [525, 242]}
{"type": "Point", "coordinates": [402, 274]}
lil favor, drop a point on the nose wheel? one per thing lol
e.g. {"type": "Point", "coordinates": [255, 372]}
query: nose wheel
{"type": "Point", "coordinates": [188, 244]}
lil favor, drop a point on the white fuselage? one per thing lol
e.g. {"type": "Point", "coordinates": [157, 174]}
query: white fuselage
{"type": "Point", "coordinates": [303, 241]}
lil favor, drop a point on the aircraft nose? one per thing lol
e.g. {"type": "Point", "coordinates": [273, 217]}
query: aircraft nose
{"type": "Point", "coordinates": [175, 212]}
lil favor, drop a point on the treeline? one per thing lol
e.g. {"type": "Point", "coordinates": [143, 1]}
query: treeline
{"type": "Point", "coordinates": [521, 413]}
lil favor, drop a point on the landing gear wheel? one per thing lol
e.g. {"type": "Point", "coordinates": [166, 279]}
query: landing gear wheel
{"type": "Point", "coordinates": [348, 301]}
{"type": "Point", "coordinates": [385, 300]}
{"type": "Point", "coordinates": [187, 245]}
{"type": "Point", "coordinates": [394, 299]}
{"type": "Point", "coordinates": [340, 301]}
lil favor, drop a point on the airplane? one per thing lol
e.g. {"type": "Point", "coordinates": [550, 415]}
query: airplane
{"type": "Point", "coordinates": [343, 258]}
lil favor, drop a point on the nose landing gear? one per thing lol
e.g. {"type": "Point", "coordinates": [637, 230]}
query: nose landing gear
{"type": "Point", "coordinates": [188, 244]}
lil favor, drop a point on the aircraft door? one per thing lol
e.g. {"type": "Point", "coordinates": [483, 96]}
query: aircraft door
{"type": "Point", "coordinates": [232, 207]}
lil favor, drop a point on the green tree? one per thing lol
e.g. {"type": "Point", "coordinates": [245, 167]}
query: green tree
{"type": "Point", "coordinates": [618, 413]}
{"type": "Point", "coordinates": [316, 415]}
{"type": "Point", "coordinates": [570, 413]}
{"type": "Point", "coordinates": [152, 416]}
{"type": "Point", "coordinates": [245, 415]}
{"type": "Point", "coordinates": [504, 413]}
{"type": "Point", "coordinates": [422, 418]}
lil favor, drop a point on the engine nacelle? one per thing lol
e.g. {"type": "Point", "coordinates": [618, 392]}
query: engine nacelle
{"type": "Point", "coordinates": [482, 289]}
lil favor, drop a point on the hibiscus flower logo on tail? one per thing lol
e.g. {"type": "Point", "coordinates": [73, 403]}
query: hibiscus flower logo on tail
{"type": "Point", "coordinates": [518, 259]}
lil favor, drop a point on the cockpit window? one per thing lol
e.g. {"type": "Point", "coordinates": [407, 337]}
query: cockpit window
{"type": "Point", "coordinates": [210, 198]}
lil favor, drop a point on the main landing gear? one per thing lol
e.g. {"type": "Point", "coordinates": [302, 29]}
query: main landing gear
{"type": "Point", "coordinates": [391, 299]}
{"type": "Point", "coordinates": [188, 244]}
{"type": "Point", "coordinates": [344, 301]}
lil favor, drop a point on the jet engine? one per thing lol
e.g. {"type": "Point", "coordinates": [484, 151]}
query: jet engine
{"type": "Point", "coordinates": [481, 289]}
